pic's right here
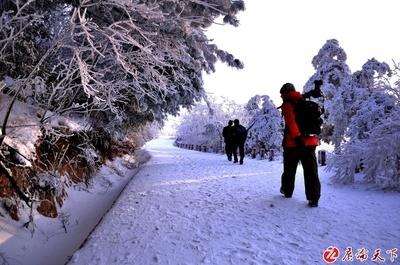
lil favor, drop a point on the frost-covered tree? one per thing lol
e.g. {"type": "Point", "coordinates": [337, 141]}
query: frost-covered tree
{"type": "Point", "coordinates": [371, 101]}
{"type": "Point", "coordinates": [330, 66]}
{"type": "Point", "coordinates": [252, 107]}
{"type": "Point", "coordinates": [373, 136]}
{"type": "Point", "coordinates": [378, 155]}
{"type": "Point", "coordinates": [118, 62]}
{"type": "Point", "coordinates": [196, 123]}
{"type": "Point", "coordinates": [204, 123]}
{"type": "Point", "coordinates": [362, 116]}
{"type": "Point", "coordinates": [266, 124]}
{"type": "Point", "coordinates": [116, 65]}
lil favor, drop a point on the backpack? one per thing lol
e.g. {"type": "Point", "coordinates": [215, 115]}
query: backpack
{"type": "Point", "coordinates": [308, 117]}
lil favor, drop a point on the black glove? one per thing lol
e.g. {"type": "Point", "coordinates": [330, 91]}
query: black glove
{"type": "Point", "coordinates": [299, 141]}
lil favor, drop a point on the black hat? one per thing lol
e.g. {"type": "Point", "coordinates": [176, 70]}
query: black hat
{"type": "Point", "coordinates": [286, 88]}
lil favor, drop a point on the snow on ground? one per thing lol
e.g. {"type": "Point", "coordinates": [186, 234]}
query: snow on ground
{"type": "Point", "coordinates": [52, 242]}
{"type": "Point", "coordinates": [188, 207]}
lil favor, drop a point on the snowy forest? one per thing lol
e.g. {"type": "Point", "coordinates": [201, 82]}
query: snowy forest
{"type": "Point", "coordinates": [361, 119]}
{"type": "Point", "coordinates": [85, 81]}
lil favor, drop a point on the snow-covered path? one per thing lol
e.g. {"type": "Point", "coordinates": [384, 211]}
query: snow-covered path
{"type": "Point", "coordinates": [188, 207]}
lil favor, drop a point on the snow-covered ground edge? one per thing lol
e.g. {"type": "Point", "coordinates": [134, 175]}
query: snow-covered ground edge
{"type": "Point", "coordinates": [54, 240]}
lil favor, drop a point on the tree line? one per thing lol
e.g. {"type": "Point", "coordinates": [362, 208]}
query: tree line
{"type": "Point", "coordinates": [361, 118]}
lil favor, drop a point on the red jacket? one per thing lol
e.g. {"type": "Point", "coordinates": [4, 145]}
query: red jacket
{"type": "Point", "coordinates": [291, 128]}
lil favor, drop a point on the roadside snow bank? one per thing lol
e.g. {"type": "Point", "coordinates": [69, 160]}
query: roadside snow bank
{"type": "Point", "coordinates": [54, 240]}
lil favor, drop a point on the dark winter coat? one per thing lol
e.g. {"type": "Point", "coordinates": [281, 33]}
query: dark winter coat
{"type": "Point", "coordinates": [227, 133]}
{"type": "Point", "coordinates": [291, 128]}
{"type": "Point", "coordinates": [239, 134]}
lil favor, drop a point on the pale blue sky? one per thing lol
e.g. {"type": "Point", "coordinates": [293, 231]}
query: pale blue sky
{"type": "Point", "coordinates": [277, 40]}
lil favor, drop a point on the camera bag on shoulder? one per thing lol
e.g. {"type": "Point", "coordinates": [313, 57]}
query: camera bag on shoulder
{"type": "Point", "coordinates": [308, 117]}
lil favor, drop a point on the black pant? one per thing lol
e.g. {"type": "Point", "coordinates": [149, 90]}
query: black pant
{"type": "Point", "coordinates": [228, 150]}
{"type": "Point", "coordinates": [291, 158]}
{"type": "Point", "coordinates": [241, 151]}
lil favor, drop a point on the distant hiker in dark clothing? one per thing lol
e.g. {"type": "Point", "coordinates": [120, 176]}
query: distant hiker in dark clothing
{"type": "Point", "coordinates": [298, 147]}
{"type": "Point", "coordinates": [227, 134]}
{"type": "Point", "coordinates": [239, 138]}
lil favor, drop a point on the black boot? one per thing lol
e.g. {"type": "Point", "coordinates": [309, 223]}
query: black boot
{"type": "Point", "coordinates": [312, 203]}
{"type": "Point", "coordinates": [283, 193]}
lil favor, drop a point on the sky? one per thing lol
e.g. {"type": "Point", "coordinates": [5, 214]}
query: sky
{"type": "Point", "coordinates": [277, 40]}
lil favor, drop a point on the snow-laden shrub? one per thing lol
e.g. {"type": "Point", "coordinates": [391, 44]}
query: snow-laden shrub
{"type": "Point", "coordinates": [53, 182]}
{"type": "Point", "coordinates": [266, 124]}
{"type": "Point", "coordinates": [377, 156]}
{"type": "Point", "coordinates": [67, 152]}
{"type": "Point", "coordinates": [373, 137]}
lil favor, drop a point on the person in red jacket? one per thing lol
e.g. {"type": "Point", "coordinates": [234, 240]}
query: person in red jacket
{"type": "Point", "coordinates": [298, 147]}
